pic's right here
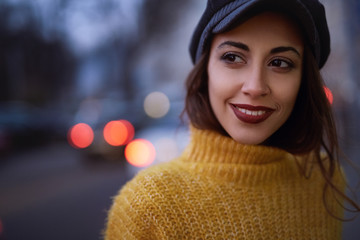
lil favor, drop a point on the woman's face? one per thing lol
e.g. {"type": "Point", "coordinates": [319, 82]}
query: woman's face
{"type": "Point", "coordinates": [254, 76]}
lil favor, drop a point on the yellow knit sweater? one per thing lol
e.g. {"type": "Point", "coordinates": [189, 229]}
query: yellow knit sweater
{"type": "Point", "coordinates": [220, 189]}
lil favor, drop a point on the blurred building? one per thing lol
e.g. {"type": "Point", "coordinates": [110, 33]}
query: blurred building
{"type": "Point", "coordinates": [94, 61]}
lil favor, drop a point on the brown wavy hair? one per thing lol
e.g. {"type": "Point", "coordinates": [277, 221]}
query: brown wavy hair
{"type": "Point", "coordinates": [311, 107]}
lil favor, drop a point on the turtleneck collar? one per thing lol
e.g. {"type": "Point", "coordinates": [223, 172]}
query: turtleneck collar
{"type": "Point", "coordinates": [212, 153]}
{"type": "Point", "coordinates": [211, 147]}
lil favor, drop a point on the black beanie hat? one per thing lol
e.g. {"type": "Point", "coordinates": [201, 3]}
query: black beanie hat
{"type": "Point", "coordinates": [221, 15]}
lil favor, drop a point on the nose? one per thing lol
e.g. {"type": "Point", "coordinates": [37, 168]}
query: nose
{"type": "Point", "coordinates": [255, 84]}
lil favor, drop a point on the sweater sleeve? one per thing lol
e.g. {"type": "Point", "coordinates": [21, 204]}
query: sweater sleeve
{"type": "Point", "coordinates": [132, 214]}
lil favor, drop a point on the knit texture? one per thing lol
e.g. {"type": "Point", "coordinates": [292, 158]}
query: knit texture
{"type": "Point", "coordinates": [220, 189]}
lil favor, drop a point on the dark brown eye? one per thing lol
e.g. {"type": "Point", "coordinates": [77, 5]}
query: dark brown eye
{"type": "Point", "coordinates": [232, 58]}
{"type": "Point", "coordinates": [281, 63]}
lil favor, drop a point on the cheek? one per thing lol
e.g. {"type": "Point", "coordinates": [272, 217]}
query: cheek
{"type": "Point", "coordinates": [214, 83]}
{"type": "Point", "coordinates": [215, 92]}
{"type": "Point", "coordinates": [287, 94]}
{"type": "Point", "coordinates": [220, 81]}
{"type": "Point", "coordinates": [219, 88]}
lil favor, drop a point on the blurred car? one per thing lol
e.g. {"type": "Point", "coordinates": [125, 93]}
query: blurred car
{"type": "Point", "coordinates": [23, 125]}
{"type": "Point", "coordinates": [93, 115]}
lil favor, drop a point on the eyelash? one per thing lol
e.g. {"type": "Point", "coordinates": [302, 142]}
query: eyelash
{"type": "Point", "coordinates": [226, 58]}
{"type": "Point", "coordinates": [290, 64]}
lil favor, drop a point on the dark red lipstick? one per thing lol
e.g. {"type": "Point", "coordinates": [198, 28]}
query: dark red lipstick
{"type": "Point", "coordinates": [251, 114]}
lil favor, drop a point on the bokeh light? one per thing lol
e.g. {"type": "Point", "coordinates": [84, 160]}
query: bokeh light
{"type": "Point", "coordinates": [140, 153]}
{"type": "Point", "coordinates": [117, 133]}
{"type": "Point", "coordinates": [156, 104]}
{"type": "Point", "coordinates": [81, 135]}
{"type": "Point", "coordinates": [329, 94]}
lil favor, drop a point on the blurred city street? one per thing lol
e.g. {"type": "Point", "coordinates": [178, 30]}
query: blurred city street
{"type": "Point", "coordinates": [53, 192]}
{"type": "Point", "coordinates": [76, 75]}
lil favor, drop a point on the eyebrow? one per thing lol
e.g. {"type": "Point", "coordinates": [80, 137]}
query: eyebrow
{"type": "Point", "coordinates": [284, 49]}
{"type": "Point", "coordinates": [246, 48]}
{"type": "Point", "coordinates": [235, 44]}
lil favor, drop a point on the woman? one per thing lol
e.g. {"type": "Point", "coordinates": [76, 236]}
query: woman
{"type": "Point", "coordinates": [259, 121]}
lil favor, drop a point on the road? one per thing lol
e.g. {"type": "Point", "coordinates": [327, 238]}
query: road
{"type": "Point", "coordinates": [54, 192]}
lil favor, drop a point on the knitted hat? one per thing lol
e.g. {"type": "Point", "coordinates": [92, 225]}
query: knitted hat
{"type": "Point", "coordinates": [222, 15]}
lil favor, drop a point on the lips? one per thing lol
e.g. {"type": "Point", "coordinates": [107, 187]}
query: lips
{"type": "Point", "coordinates": [251, 114]}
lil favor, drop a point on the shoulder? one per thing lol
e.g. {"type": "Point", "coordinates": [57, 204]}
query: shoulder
{"type": "Point", "coordinates": [159, 178]}
{"type": "Point", "coordinates": [158, 175]}
{"type": "Point", "coordinates": [136, 209]}
{"type": "Point", "coordinates": [132, 213]}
